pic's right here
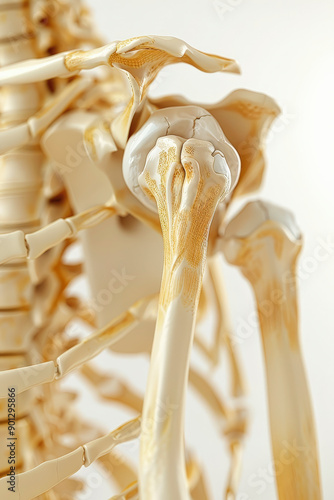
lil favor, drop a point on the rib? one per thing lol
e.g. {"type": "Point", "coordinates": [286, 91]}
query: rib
{"type": "Point", "coordinates": [31, 376]}
{"type": "Point", "coordinates": [42, 478]}
{"type": "Point", "coordinates": [31, 246]}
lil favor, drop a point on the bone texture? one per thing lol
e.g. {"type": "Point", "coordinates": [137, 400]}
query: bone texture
{"type": "Point", "coordinates": [265, 241]}
{"type": "Point", "coordinates": [143, 187]}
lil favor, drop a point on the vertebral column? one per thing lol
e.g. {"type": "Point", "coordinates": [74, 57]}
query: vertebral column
{"type": "Point", "coordinates": [21, 197]}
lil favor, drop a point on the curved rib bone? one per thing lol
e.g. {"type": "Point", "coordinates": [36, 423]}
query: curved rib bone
{"type": "Point", "coordinates": [31, 376]}
{"type": "Point", "coordinates": [30, 246]}
{"type": "Point", "coordinates": [264, 241]}
{"type": "Point", "coordinates": [36, 481]}
{"type": "Point", "coordinates": [131, 493]}
{"type": "Point", "coordinates": [224, 328]}
{"type": "Point", "coordinates": [187, 179]}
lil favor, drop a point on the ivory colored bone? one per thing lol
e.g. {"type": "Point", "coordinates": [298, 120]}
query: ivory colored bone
{"type": "Point", "coordinates": [119, 468]}
{"type": "Point", "coordinates": [16, 330]}
{"type": "Point", "coordinates": [186, 179]}
{"type": "Point", "coordinates": [44, 239]}
{"type": "Point", "coordinates": [24, 400]}
{"type": "Point", "coordinates": [34, 482]}
{"type": "Point", "coordinates": [231, 421]}
{"type": "Point", "coordinates": [189, 122]}
{"type": "Point", "coordinates": [85, 129]}
{"type": "Point", "coordinates": [224, 328]}
{"type": "Point", "coordinates": [21, 204]}
{"type": "Point", "coordinates": [140, 58]}
{"type": "Point", "coordinates": [130, 493]}
{"type": "Point", "coordinates": [195, 481]}
{"type": "Point", "coordinates": [88, 144]}
{"type": "Point", "coordinates": [112, 388]}
{"type": "Point", "coordinates": [24, 133]}
{"type": "Point", "coordinates": [91, 168]}
{"type": "Point", "coordinates": [12, 246]}
{"type": "Point", "coordinates": [27, 377]}
{"type": "Point", "coordinates": [113, 54]}
{"type": "Point", "coordinates": [15, 287]}
{"type": "Point", "coordinates": [264, 241]}
{"type": "Point", "coordinates": [246, 117]}
{"type": "Point", "coordinates": [22, 435]}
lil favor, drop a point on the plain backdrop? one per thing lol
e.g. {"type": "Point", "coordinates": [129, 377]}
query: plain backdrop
{"type": "Point", "coordinates": [285, 49]}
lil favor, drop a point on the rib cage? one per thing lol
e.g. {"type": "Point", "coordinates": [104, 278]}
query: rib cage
{"type": "Point", "coordinates": [47, 277]}
{"type": "Point", "coordinates": [21, 200]}
{"type": "Point", "coordinates": [30, 198]}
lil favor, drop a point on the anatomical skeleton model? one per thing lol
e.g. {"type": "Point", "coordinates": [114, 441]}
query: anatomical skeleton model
{"type": "Point", "coordinates": [146, 186]}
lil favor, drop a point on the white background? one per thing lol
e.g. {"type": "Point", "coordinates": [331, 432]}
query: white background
{"type": "Point", "coordinates": [285, 49]}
